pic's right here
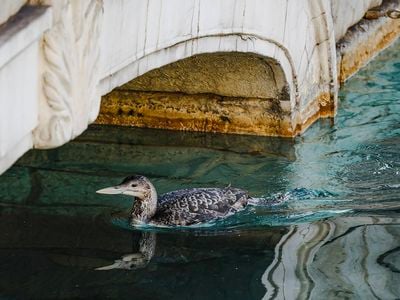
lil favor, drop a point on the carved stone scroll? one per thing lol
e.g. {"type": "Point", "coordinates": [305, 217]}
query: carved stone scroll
{"type": "Point", "coordinates": [70, 98]}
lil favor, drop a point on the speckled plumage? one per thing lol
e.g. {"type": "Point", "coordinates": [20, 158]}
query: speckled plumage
{"type": "Point", "coordinates": [197, 205]}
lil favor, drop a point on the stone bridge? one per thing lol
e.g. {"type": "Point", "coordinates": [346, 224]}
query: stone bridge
{"type": "Point", "coordinates": [261, 67]}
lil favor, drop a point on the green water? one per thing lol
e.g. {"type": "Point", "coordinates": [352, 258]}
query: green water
{"type": "Point", "coordinates": [328, 227]}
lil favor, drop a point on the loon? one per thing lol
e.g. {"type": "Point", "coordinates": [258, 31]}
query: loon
{"type": "Point", "coordinates": [178, 208]}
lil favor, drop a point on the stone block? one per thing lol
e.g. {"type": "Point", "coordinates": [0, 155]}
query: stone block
{"type": "Point", "coordinates": [20, 81]}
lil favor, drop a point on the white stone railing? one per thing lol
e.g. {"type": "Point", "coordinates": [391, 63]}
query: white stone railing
{"type": "Point", "coordinates": [20, 80]}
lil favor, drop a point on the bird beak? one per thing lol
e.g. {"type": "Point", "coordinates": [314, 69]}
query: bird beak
{"type": "Point", "coordinates": [117, 265]}
{"type": "Point", "coordinates": [113, 190]}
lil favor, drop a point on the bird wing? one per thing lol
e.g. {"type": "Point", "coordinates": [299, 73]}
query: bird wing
{"type": "Point", "coordinates": [198, 205]}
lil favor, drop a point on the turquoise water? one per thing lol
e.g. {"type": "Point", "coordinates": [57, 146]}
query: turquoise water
{"type": "Point", "coordinates": [327, 225]}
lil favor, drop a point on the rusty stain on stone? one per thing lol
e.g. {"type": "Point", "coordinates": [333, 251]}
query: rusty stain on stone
{"type": "Point", "coordinates": [327, 109]}
{"type": "Point", "coordinates": [198, 112]}
{"type": "Point", "coordinates": [216, 92]}
{"type": "Point", "coordinates": [205, 113]}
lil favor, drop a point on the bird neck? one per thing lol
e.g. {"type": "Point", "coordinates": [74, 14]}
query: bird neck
{"type": "Point", "coordinates": [145, 208]}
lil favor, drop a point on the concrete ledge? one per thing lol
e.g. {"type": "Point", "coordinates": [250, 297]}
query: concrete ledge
{"type": "Point", "coordinates": [347, 13]}
{"type": "Point", "coordinates": [365, 40]}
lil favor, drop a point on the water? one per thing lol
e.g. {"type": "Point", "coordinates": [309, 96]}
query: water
{"type": "Point", "coordinates": [327, 226]}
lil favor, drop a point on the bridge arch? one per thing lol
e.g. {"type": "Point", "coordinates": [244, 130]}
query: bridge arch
{"type": "Point", "coordinates": [238, 83]}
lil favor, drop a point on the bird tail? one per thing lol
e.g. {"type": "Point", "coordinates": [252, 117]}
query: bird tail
{"type": "Point", "coordinates": [255, 201]}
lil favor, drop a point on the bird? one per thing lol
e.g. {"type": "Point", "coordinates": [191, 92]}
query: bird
{"type": "Point", "coordinates": [183, 207]}
{"type": "Point", "coordinates": [136, 260]}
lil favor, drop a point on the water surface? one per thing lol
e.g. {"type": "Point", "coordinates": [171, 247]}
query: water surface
{"type": "Point", "coordinates": [328, 227]}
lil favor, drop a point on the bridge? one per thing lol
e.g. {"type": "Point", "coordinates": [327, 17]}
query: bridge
{"type": "Point", "coordinates": [261, 67]}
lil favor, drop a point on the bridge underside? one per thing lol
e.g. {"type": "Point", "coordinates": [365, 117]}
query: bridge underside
{"type": "Point", "coordinates": [249, 67]}
{"type": "Point", "coordinates": [219, 92]}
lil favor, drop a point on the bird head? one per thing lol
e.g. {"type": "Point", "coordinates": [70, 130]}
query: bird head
{"type": "Point", "coordinates": [136, 185]}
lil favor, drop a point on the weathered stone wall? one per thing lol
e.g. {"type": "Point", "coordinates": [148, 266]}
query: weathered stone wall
{"type": "Point", "coordinates": [221, 92]}
{"type": "Point", "coordinates": [226, 74]}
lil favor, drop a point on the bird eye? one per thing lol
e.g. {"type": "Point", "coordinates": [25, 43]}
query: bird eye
{"type": "Point", "coordinates": [133, 185]}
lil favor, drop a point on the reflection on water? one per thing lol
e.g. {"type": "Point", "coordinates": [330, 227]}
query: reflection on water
{"type": "Point", "coordinates": [46, 256]}
{"type": "Point", "coordinates": [326, 225]}
{"type": "Point", "coordinates": [344, 258]}
{"type": "Point", "coordinates": [136, 260]}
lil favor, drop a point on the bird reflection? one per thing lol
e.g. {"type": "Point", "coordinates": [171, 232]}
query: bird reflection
{"type": "Point", "coordinates": [137, 260]}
